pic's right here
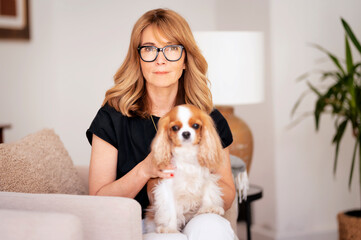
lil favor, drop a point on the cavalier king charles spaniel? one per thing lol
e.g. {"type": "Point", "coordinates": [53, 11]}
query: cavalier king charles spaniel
{"type": "Point", "coordinates": [188, 140]}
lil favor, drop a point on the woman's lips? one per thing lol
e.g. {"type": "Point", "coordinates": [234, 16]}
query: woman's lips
{"type": "Point", "coordinates": [161, 72]}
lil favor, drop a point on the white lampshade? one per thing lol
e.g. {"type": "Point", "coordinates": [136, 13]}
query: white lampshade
{"type": "Point", "coordinates": [235, 65]}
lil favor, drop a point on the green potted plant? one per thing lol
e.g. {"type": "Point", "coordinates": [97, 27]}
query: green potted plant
{"type": "Point", "coordinates": [342, 99]}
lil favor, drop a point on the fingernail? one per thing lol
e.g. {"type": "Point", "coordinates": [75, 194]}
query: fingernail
{"type": "Point", "coordinates": [172, 175]}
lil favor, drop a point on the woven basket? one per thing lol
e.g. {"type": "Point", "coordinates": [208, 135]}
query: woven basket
{"type": "Point", "coordinates": [349, 227]}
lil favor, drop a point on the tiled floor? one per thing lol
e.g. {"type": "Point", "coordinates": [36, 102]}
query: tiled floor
{"type": "Point", "coordinates": [241, 230]}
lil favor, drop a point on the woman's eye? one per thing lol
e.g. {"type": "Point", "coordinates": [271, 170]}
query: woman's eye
{"type": "Point", "coordinates": [148, 49]}
{"type": "Point", "coordinates": [172, 49]}
{"type": "Point", "coordinates": [175, 128]}
{"type": "Point", "coordinates": [195, 126]}
{"type": "Point", "coordinates": [175, 49]}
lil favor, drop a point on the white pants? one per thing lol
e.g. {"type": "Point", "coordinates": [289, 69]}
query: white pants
{"type": "Point", "coordinates": [202, 227]}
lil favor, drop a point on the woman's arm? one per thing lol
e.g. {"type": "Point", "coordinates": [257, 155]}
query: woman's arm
{"type": "Point", "coordinates": [103, 170]}
{"type": "Point", "coordinates": [226, 181]}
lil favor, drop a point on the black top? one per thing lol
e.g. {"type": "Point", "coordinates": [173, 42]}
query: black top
{"type": "Point", "coordinates": [132, 136]}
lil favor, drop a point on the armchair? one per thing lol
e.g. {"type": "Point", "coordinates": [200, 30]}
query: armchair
{"type": "Point", "coordinates": [61, 211]}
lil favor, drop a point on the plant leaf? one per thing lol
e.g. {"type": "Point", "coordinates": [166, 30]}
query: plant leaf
{"type": "Point", "coordinates": [350, 69]}
{"type": "Point", "coordinates": [299, 119]}
{"type": "Point", "coordinates": [349, 63]}
{"type": "Point", "coordinates": [337, 139]}
{"type": "Point", "coordinates": [326, 75]}
{"type": "Point", "coordinates": [351, 35]}
{"type": "Point", "coordinates": [314, 89]}
{"type": "Point", "coordinates": [303, 76]}
{"type": "Point", "coordinates": [298, 102]}
{"type": "Point", "coordinates": [352, 164]}
{"type": "Point", "coordinates": [320, 106]}
{"type": "Point", "coordinates": [330, 55]}
{"type": "Point", "coordinates": [340, 130]}
{"type": "Point", "coordinates": [355, 69]}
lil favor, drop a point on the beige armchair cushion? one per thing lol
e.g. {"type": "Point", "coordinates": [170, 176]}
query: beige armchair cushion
{"type": "Point", "coordinates": [37, 225]}
{"type": "Point", "coordinates": [102, 218]}
{"type": "Point", "coordinates": [38, 163]}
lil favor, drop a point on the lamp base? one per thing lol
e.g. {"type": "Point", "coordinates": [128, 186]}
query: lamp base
{"type": "Point", "coordinates": [242, 145]}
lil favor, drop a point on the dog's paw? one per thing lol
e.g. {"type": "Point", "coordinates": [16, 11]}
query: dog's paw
{"type": "Point", "coordinates": [211, 209]}
{"type": "Point", "coordinates": [163, 229]}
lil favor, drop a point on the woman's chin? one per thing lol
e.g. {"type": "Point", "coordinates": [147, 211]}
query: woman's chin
{"type": "Point", "coordinates": [163, 84]}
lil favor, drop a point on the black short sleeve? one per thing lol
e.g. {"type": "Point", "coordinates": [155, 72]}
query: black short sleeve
{"type": "Point", "coordinates": [103, 127]}
{"type": "Point", "coordinates": [223, 129]}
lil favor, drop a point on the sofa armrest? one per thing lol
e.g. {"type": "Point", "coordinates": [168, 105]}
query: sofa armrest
{"type": "Point", "coordinates": [21, 225]}
{"type": "Point", "coordinates": [101, 217]}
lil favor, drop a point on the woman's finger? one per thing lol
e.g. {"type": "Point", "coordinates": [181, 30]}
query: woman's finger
{"type": "Point", "coordinates": [166, 173]}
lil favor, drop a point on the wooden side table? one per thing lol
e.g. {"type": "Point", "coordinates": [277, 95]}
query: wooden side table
{"type": "Point", "coordinates": [2, 127]}
{"type": "Point", "coordinates": [254, 193]}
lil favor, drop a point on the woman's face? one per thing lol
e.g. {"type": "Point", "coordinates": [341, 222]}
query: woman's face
{"type": "Point", "coordinates": [161, 73]}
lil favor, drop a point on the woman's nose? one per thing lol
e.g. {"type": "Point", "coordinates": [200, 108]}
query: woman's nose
{"type": "Point", "coordinates": [160, 58]}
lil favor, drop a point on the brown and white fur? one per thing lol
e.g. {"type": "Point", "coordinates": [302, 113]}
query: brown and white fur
{"type": "Point", "coordinates": [187, 139]}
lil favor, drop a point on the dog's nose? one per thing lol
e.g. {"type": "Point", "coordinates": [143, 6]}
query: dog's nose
{"type": "Point", "coordinates": [186, 135]}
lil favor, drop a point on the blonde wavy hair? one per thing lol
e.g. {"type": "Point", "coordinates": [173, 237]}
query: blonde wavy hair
{"type": "Point", "coordinates": [129, 96]}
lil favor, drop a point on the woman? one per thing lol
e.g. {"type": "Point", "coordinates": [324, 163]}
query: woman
{"type": "Point", "coordinates": [163, 68]}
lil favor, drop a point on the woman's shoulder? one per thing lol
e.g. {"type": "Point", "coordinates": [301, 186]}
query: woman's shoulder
{"type": "Point", "coordinates": [118, 117]}
{"type": "Point", "coordinates": [108, 124]}
{"type": "Point", "coordinates": [111, 111]}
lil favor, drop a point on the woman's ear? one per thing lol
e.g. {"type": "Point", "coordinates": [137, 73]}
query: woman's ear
{"type": "Point", "coordinates": [210, 153]}
{"type": "Point", "coordinates": [161, 145]}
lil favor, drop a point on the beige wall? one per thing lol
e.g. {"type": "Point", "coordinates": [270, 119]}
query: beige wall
{"type": "Point", "coordinates": [59, 78]}
{"type": "Point", "coordinates": [308, 197]}
{"type": "Point", "coordinates": [254, 16]}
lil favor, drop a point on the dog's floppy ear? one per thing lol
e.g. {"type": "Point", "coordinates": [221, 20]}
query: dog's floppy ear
{"type": "Point", "coordinates": [161, 145]}
{"type": "Point", "coordinates": [210, 153]}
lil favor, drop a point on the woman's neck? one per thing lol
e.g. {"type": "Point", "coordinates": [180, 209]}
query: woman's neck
{"type": "Point", "coordinates": [162, 100]}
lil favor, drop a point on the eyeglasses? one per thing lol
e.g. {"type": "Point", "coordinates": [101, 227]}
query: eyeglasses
{"type": "Point", "coordinates": [171, 52]}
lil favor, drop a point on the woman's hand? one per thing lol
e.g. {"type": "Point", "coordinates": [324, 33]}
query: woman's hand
{"type": "Point", "coordinates": [155, 174]}
{"type": "Point", "coordinates": [103, 169]}
{"type": "Point", "coordinates": [150, 170]}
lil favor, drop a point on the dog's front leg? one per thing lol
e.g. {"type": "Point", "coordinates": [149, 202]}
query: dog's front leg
{"type": "Point", "coordinates": [165, 207]}
{"type": "Point", "coordinates": [212, 201]}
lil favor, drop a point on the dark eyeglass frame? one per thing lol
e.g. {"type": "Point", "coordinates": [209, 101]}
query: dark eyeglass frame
{"type": "Point", "coordinates": [161, 50]}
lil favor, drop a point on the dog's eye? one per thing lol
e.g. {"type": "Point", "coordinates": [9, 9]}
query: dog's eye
{"type": "Point", "coordinates": [175, 128]}
{"type": "Point", "coordinates": [195, 126]}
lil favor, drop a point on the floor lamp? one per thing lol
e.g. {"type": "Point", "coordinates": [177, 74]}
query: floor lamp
{"type": "Point", "coordinates": [236, 73]}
